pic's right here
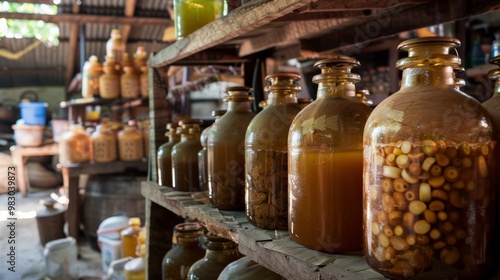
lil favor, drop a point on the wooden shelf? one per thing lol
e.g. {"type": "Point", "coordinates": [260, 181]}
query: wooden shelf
{"type": "Point", "coordinates": [272, 248]}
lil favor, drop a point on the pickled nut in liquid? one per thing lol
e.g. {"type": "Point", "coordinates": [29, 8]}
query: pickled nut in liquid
{"type": "Point", "coordinates": [427, 200]}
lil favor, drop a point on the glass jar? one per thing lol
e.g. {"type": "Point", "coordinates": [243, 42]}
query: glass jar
{"type": "Point", "coordinates": [186, 250]}
{"type": "Point", "coordinates": [129, 83]}
{"type": "Point", "coordinates": [92, 70]}
{"type": "Point", "coordinates": [492, 105]}
{"type": "Point", "coordinates": [109, 82]}
{"type": "Point", "coordinates": [428, 158]}
{"type": "Point", "coordinates": [185, 175]}
{"type": "Point", "coordinates": [115, 46]}
{"type": "Point", "coordinates": [130, 146]}
{"type": "Point", "coordinates": [202, 154]}
{"type": "Point", "coordinates": [164, 155]}
{"type": "Point", "coordinates": [246, 269]}
{"type": "Point", "coordinates": [75, 146]}
{"type": "Point", "coordinates": [104, 144]}
{"type": "Point", "coordinates": [266, 154]}
{"type": "Point", "coordinates": [191, 15]}
{"type": "Point", "coordinates": [303, 102]}
{"type": "Point", "coordinates": [219, 253]}
{"type": "Point", "coordinates": [226, 151]}
{"type": "Point", "coordinates": [362, 95]}
{"type": "Point", "coordinates": [325, 166]}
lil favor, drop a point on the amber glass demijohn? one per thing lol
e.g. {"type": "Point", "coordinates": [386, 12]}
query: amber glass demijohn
{"type": "Point", "coordinates": [428, 158]}
{"type": "Point", "coordinates": [202, 154]}
{"type": "Point", "coordinates": [185, 175]}
{"type": "Point", "coordinates": [219, 253]}
{"type": "Point", "coordinates": [326, 163]}
{"type": "Point", "coordinates": [226, 151]}
{"type": "Point", "coordinates": [266, 154]}
{"type": "Point", "coordinates": [186, 250]}
{"type": "Point", "coordinates": [164, 155]}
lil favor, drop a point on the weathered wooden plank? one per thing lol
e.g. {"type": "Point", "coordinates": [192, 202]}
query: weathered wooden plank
{"type": "Point", "coordinates": [241, 20]}
{"type": "Point", "coordinates": [129, 12]}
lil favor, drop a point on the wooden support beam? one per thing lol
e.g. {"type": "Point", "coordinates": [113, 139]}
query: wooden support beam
{"type": "Point", "coordinates": [98, 19]}
{"type": "Point", "coordinates": [129, 12]}
{"type": "Point", "coordinates": [350, 5]}
{"type": "Point", "coordinates": [72, 49]}
{"type": "Point", "coordinates": [32, 70]}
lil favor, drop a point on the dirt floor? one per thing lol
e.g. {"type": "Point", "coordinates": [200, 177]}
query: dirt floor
{"type": "Point", "coordinates": [29, 256]}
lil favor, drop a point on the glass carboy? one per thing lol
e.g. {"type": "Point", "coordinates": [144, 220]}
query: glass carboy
{"type": "Point", "coordinates": [325, 167]}
{"type": "Point", "coordinates": [226, 151]}
{"type": "Point", "coordinates": [185, 175]}
{"type": "Point", "coordinates": [202, 154]}
{"type": "Point", "coordinates": [428, 158]}
{"type": "Point", "coordinates": [164, 155]}
{"type": "Point", "coordinates": [266, 154]}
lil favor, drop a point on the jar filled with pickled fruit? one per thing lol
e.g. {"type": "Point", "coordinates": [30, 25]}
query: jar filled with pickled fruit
{"type": "Point", "coordinates": [428, 158]}
{"type": "Point", "coordinates": [190, 15]}
{"type": "Point", "coordinates": [266, 154]}
{"type": "Point", "coordinates": [130, 144]}
{"type": "Point", "coordinates": [325, 167]}
{"type": "Point", "coordinates": [164, 155]}
{"type": "Point", "coordinates": [202, 154]}
{"type": "Point", "coordinates": [186, 250]}
{"type": "Point", "coordinates": [226, 151]}
{"type": "Point", "coordinates": [75, 145]}
{"type": "Point", "coordinates": [185, 175]}
{"type": "Point", "coordinates": [129, 83]}
{"type": "Point", "coordinates": [492, 105]}
{"type": "Point", "coordinates": [104, 143]}
{"type": "Point", "coordinates": [219, 253]}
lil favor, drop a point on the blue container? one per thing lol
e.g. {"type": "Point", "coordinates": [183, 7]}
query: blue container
{"type": "Point", "coordinates": [33, 113]}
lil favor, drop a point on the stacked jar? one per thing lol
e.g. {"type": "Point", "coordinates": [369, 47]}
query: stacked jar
{"type": "Point", "coordinates": [185, 175]}
{"type": "Point", "coordinates": [326, 163]}
{"type": "Point", "coordinates": [266, 154]}
{"type": "Point", "coordinates": [226, 154]}
{"type": "Point", "coordinates": [428, 158]}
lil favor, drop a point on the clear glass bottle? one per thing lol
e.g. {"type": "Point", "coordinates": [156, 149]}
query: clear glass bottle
{"type": "Point", "coordinates": [164, 155]}
{"type": "Point", "coordinates": [325, 167]}
{"type": "Point", "coordinates": [75, 146]}
{"type": "Point", "coordinates": [219, 253]}
{"type": "Point", "coordinates": [428, 158]}
{"type": "Point", "coordinates": [109, 82]}
{"type": "Point", "coordinates": [194, 14]}
{"type": "Point", "coordinates": [129, 83]}
{"type": "Point", "coordinates": [186, 250]}
{"type": "Point", "coordinates": [104, 144]}
{"type": "Point", "coordinates": [202, 154]}
{"type": "Point", "coordinates": [130, 144]}
{"type": "Point", "coordinates": [128, 237]}
{"type": "Point", "coordinates": [115, 46]}
{"type": "Point", "coordinates": [185, 175]}
{"type": "Point", "coordinates": [266, 154]}
{"type": "Point", "coordinates": [226, 151]}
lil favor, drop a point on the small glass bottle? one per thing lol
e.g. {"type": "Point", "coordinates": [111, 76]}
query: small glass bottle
{"type": "Point", "coordinates": [104, 143]}
{"type": "Point", "coordinates": [130, 144]}
{"type": "Point", "coordinates": [325, 167]}
{"type": "Point", "coordinates": [90, 79]}
{"type": "Point", "coordinates": [75, 146]}
{"type": "Point", "coordinates": [428, 165]}
{"type": "Point", "coordinates": [129, 83]}
{"type": "Point", "coordinates": [164, 155]}
{"type": "Point", "coordinates": [129, 238]}
{"type": "Point", "coordinates": [202, 154]}
{"type": "Point", "coordinates": [109, 82]}
{"type": "Point", "coordinates": [185, 175]}
{"type": "Point", "coordinates": [186, 250]}
{"type": "Point", "coordinates": [219, 253]}
{"type": "Point", "coordinates": [115, 46]}
{"type": "Point", "coordinates": [266, 154]}
{"type": "Point", "coordinates": [226, 151]}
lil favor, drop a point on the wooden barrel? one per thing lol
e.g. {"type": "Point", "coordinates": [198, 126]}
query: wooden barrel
{"type": "Point", "coordinates": [110, 195]}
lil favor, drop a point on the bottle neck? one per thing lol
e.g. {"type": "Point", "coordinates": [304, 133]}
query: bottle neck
{"type": "Point", "coordinates": [339, 89]}
{"type": "Point", "coordinates": [281, 99]}
{"type": "Point", "coordinates": [187, 241]}
{"type": "Point", "coordinates": [174, 138]}
{"type": "Point", "coordinates": [221, 255]}
{"type": "Point", "coordinates": [238, 106]}
{"type": "Point", "coordinates": [190, 136]}
{"type": "Point", "coordinates": [428, 76]}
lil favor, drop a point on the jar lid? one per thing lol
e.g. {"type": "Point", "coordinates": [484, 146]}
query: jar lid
{"type": "Point", "coordinates": [446, 42]}
{"type": "Point", "coordinates": [430, 51]}
{"type": "Point", "coordinates": [285, 83]}
{"type": "Point", "coordinates": [336, 69]}
{"type": "Point", "coordinates": [238, 93]}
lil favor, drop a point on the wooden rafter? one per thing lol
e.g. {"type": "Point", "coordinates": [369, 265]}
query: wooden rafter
{"type": "Point", "coordinates": [129, 12]}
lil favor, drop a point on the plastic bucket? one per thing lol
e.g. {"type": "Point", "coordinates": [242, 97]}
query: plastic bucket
{"type": "Point", "coordinates": [33, 113]}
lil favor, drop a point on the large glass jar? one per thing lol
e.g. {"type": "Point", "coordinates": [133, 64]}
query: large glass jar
{"type": "Point", "coordinates": [226, 151]}
{"type": "Point", "coordinates": [130, 144]}
{"type": "Point", "coordinates": [325, 165]}
{"type": "Point", "coordinates": [164, 155]}
{"type": "Point", "coordinates": [428, 157]}
{"type": "Point", "coordinates": [104, 143]}
{"type": "Point", "coordinates": [190, 15]}
{"type": "Point", "coordinates": [219, 253]}
{"type": "Point", "coordinates": [186, 250]}
{"type": "Point", "coordinates": [202, 154]}
{"type": "Point", "coordinates": [266, 154]}
{"type": "Point", "coordinates": [185, 175]}
{"type": "Point", "coordinates": [75, 146]}
{"type": "Point", "coordinates": [492, 105]}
